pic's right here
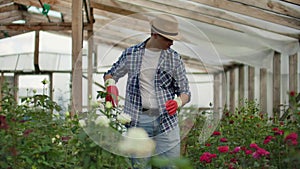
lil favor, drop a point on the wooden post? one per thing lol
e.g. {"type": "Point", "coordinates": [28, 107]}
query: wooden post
{"type": "Point", "coordinates": [293, 67]}
{"type": "Point", "coordinates": [90, 67]}
{"type": "Point", "coordinates": [232, 90]}
{"type": "Point", "coordinates": [77, 28]}
{"type": "Point", "coordinates": [241, 85]}
{"type": "Point", "coordinates": [251, 73]}
{"type": "Point", "coordinates": [1, 84]}
{"type": "Point", "coordinates": [276, 83]}
{"type": "Point", "coordinates": [217, 91]}
{"type": "Point", "coordinates": [16, 84]}
{"type": "Point", "coordinates": [224, 89]}
{"type": "Point", "coordinates": [36, 51]}
{"type": "Point", "coordinates": [51, 85]}
{"type": "Point", "coordinates": [263, 90]}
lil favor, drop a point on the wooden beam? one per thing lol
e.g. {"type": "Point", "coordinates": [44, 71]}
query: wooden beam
{"type": "Point", "coordinates": [277, 7]}
{"type": "Point", "coordinates": [64, 7]}
{"type": "Point", "coordinates": [194, 15]}
{"type": "Point", "coordinates": [251, 83]}
{"type": "Point", "coordinates": [293, 77]}
{"type": "Point", "coordinates": [29, 17]}
{"type": "Point", "coordinates": [114, 8]}
{"type": "Point", "coordinates": [3, 2]}
{"type": "Point", "coordinates": [263, 90]}
{"type": "Point", "coordinates": [296, 2]}
{"type": "Point", "coordinates": [259, 13]}
{"type": "Point", "coordinates": [5, 16]}
{"type": "Point", "coordinates": [8, 7]}
{"type": "Point", "coordinates": [7, 34]}
{"type": "Point", "coordinates": [40, 26]}
{"type": "Point", "coordinates": [77, 28]}
{"type": "Point", "coordinates": [276, 84]}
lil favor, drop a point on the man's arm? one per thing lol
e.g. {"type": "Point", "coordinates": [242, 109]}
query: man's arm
{"type": "Point", "coordinates": [108, 76]}
{"type": "Point", "coordinates": [184, 98]}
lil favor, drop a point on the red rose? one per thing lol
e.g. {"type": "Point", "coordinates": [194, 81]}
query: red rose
{"type": "Point", "coordinates": [247, 152]}
{"type": "Point", "coordinates": [253, 145]}
{"type": "Point", "coordinates": [207, 157]}
{"type": "Point", "coordinates": [292, 93]}
{"type": "Point", "coordinates": [223, 139]}
{"type": "Point", "coordinates": [216, 133]}
{"type": "Point", "coordinates": [27, 132]}
{"type": "Point", "coordinates": [260, 152]}
{"type": "Point", "coordinates": [207, 144]}
{"type": "Point", "coordinates": [223, 149]}
{"type": "Point", "coordinates": [291, 139]}
{"type": "Point", "coordinates": [268, 139]}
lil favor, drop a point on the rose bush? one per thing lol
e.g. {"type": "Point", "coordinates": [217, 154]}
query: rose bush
{"type": "Point", "coordinates": [33, 137]}
{"type": "Point", "coordinates": [247, 138]}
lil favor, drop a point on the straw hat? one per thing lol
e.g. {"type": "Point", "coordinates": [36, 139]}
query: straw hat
{"type": "Point", "coordinates": [166, 26]}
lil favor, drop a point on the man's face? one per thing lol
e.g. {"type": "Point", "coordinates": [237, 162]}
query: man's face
{"type": "Point", "coordinates": [164, 42]}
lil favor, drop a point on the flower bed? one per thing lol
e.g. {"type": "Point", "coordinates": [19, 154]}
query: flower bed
{"type": "Point", "coordinates": [247, 138]}
{"type": "Point", "coordinates": [32, 137]}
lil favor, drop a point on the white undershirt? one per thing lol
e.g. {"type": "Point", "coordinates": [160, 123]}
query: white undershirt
{"type": "Point", "coordinates": [148, 69]}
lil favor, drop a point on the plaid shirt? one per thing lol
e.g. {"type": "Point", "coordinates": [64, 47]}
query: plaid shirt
{"type": "Point", "coordinates": [170, 80]}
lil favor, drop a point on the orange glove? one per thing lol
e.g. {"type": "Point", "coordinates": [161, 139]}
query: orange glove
{"type": "Point", "coordinates": [172, 105]}
{"type": "Point", "coordinates": [112, 92]}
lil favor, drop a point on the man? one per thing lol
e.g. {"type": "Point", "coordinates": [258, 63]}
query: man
{"type": "Point", "coordinates": [156, 86]}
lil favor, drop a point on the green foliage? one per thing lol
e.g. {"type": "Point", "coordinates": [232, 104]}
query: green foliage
{"type": "Point", "coordinates": [32, 137]}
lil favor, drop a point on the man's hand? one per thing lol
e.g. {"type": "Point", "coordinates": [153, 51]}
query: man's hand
{"type": "Point", "coordinates": [112, 92]}
{"type": "Point", "coordinates": [172, 105]}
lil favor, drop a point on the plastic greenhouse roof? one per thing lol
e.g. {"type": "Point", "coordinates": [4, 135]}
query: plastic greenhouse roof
{"type": "Point", "coordinates": [216, 34]}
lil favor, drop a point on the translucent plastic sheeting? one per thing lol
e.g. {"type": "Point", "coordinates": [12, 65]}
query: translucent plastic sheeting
{"type": "Point", "coordinates": [23, 43]}
{"type": "Point", "coordinates": [55, 61]}
{"type": "Point", "coordinates": [208, 44]}
{"type": "Point", "coordinates": [18, 62]}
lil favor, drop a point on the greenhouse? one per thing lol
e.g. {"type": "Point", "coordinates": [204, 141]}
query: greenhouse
{"type": "Point", "coordinates": [241, 60]}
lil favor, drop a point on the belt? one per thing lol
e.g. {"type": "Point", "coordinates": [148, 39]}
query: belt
{"type": "Point", "coordinates": [150, 112]}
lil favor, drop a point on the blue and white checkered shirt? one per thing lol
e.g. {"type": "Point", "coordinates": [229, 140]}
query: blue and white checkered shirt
{"type": "Point", "coordinates": [170, 80]}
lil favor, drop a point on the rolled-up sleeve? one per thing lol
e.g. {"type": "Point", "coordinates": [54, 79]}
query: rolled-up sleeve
{"type": "Point", "coordinates": [119, 68]}
{"type": "Point", "coordinates": [181, 78]}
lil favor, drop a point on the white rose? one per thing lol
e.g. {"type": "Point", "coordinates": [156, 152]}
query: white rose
{"type": "Point", "coordinates": [124, 118]}
{"type": "Point", "coordinates": [82, 123]}
{"type": "Point", "coordinates": [102, 121]}
{"type": "Point", "coordinates": [137, 143]}
{"type": "Point", "coordinates": [53, 139]}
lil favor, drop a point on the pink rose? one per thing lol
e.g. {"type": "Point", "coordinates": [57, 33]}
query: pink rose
{"type": "Point", "coordinates": [236, 149]}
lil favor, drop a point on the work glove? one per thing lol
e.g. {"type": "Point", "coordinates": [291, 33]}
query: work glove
{"type": "Point", "coordinates": [112, 92]}
{"type": "Point", "coordinates": [173, 105]}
